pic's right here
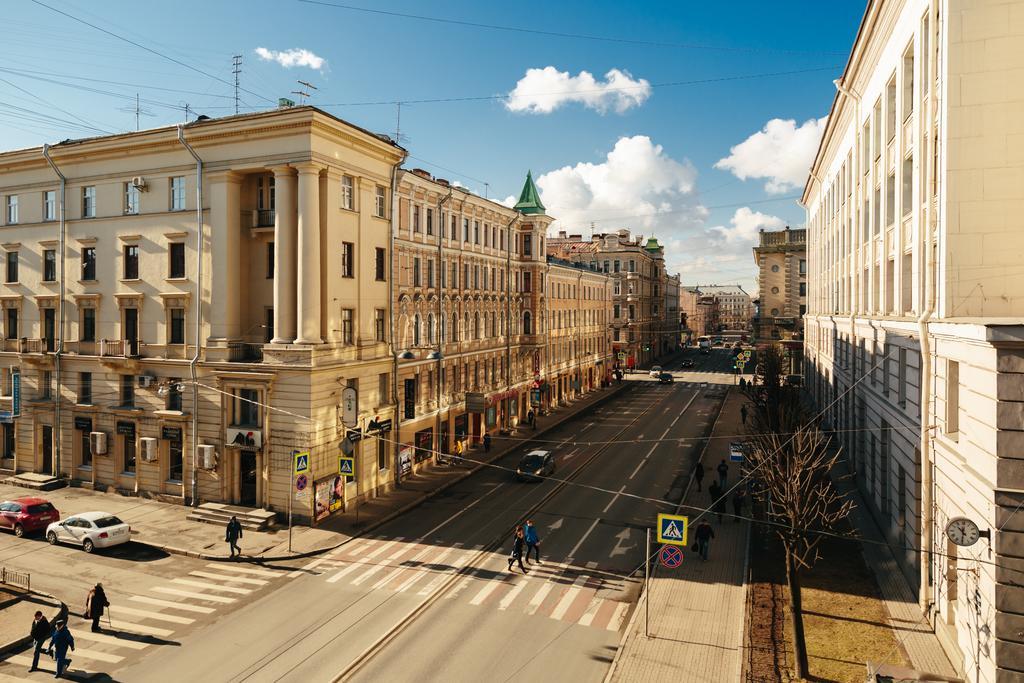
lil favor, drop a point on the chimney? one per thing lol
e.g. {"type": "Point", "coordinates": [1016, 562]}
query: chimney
{"type": "Point", "coordinates": [561, 234]}
{"type": "Point", "coordinates": [421, 173]}
{"type": "Point", "coordinates": [576, 237]}
{"type": "Point", "coordinates": [441, 181]}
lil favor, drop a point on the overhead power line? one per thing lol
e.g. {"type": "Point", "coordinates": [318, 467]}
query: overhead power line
{"type": "Point", "coordinates": [564, 34]}
{"type": "Point", "coordinates": [148, 49]}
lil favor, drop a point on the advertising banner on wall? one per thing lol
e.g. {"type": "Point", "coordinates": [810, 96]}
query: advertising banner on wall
{"type": "Point", "coordinates": [328, 496]}
{"type": "Point", "coordinates": [405, 459]}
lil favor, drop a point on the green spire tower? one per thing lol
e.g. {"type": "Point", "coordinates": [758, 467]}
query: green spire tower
{"type": "Point", "coordinates": [529, 199]}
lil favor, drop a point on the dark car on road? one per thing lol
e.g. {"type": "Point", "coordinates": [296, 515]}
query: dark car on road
{"type": "Point", "coordinates": [27, 515]}
{"type": "Point", "coordinates": [687, 363]}
{"type": "Point", "coordinates": [665, 378]}
{"type": "Point", "coordinates": [535, 465]}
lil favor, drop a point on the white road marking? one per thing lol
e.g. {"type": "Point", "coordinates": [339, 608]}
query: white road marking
{"type": "Point", "coordinates": [224, 566]}
{"type": "Point", "coordinates": [612, 501]}
{"type": "Point", "coordinates": [591, 565]}
{"type": "Point", "coordinates": [104, 639]}
{"type": "Point", "coordinates": [341, 574]}
{"type": "Point", "coordinates": [563, 605]}
{"type": "Point", "coordinates": [224, 577]}
{"type": "Point", "coordinates": [442, 575]}
{"type": "Point", "coordinates": [615, 623]}
{"type": "Point", "coordinates": [417, 573]}
{"type": "Point", "coordinates": [212, 586]}
{"type": "Point", "coordinates": [174, 605]}
{"type": "Point", "coordinates": [129, 626]}
{"type": "Point", "coordinates": [538, 598]}
{"type": "Point", "coordinates": [588, 617]}
{"type": "Point", "coordinates": [384, 564]}
{"type": "Point", "coordinates": [685, 408]}
{"type": "Point", "coordinates": [192, 594]}
{"type": "Point", "coordinates": [491, 586]}
{"type": "Point", "coordinates": [510, 597]}
{"type": "Point", "coordinates": [299, 572]}
{"type": "Point", "coordinates": [572, 553]}
{"type": "Point", "coordinates": [159, 616]}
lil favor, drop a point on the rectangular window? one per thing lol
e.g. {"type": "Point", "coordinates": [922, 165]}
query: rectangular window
{"type": "Point", "coordinates": [89, 263]}
{"type": "Point", "coordinates": [410, 399]}
{"type": "Point", "coordinates": [383, 388]}
{"type": "Point", "coordinates": [348, 259]}
{"type": "Point", "coordinates": [268, 324]}
{"type": "Point", "coordinates": [416, 272]}
{"type": "Point", "coordinates": [49, 265]}
{"type": "Point", "coordinates": [12, 266]}
{"type": "Point", "coordinates": [50, 205]}
{"type": "Point", "coordinates": [952, 398]}
{"type": "Point", "coordinates": [174, 459]}
{"type": "Point", "coordinates": [347, 322]}
{"type": "Point", "coordinates": [890, 110]}
{"type": "Point", "coordinates": [415, 219]}
{"type": "Point", "coordinates": [270, 260]}
{"type": "Point", "coordinates": [907, 191]}
{"type": "Point", "coordinates": [12, 323]}
{"type": "Point", "coordinates": [127, 391]}
{"type": "Point", "coordinates": [890, 200]}
{"type": "Point", "coordinates": [381, 202]}
{"type": "Point", "coordinates": [88, 332]}
{"type": "Point", "coordinates": [85, 388]}
{"type": "Point", "coordinates": [430, 221]}
{"type": "Point", "coordinates": [803, 289]}
{"type": "Point", "coordinates": [901, 386]}
{"type": "Point", "coordinates": [174, 395]}
{"type": "Point", "coordinates": [128, 449]}
{"type": "Point", "coordinates": [455, 228]}
{"type": "Point", "coordinates": [131, 199]}
{"type": "Point", "coordinates": [465, 229]}
{"type": "Point", "coordinates": [12, 209]}
{"type": "Point", "coordinates": [178, 193]}
{"type": "Point", "coordinates": [430, 272]}
{"type": "Point", "coordinates": [476, 232]}
{"type": "Point", "coordinates": [527, 245]}
{"type": "Point", "coordinates": [908, 82]}
{"type": "Point", "coordinates": [379, 264]}
{"type": "Point", "coordinates": [177, 335]}
{"type": "Point", "coordinates": [131, 261]}
{"type": "Point", "coordinates": [348, 194]}
{"type": "Point", "coordinates": [247, 407]}
{"type": "Point", "coordinates": [176, 260]}
{"type": "Point", "coordinates": [89, 202]}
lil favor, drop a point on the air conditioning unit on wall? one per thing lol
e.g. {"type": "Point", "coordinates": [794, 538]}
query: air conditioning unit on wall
{"type": "Point", "coordinates": [148, 445]}
{"type": "Point", "coordinates": [98, 443]}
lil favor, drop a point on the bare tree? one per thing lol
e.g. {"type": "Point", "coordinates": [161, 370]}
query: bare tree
{"type": "Point", "coordinates": [791, 464]}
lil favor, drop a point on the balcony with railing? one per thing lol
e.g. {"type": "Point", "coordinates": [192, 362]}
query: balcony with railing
{"type": "Point", "coordinates": [245, 352]}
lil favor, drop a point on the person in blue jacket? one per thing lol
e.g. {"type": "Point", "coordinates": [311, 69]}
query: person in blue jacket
{"type": "Point", "coordinates": [532, 540]}
{"type": "Point", "coordinates": [60, 641]}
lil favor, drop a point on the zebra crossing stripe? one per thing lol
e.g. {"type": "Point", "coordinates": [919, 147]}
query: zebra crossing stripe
{"type": "Point", "coordinates": [224, 577]}
{"type": "Point", "coordinates": [212, 586]}
{"type": "Point", "coordinates": [538, 597]}
{"type": "Point", "coordinates": [511, 596]}
{"type": "Point", "coordinates": [130, 627]}
{"type": "Point", "coordinates": [567, 598]}
{"type": "Point", "coordinates": [620, 613]}
{"type": "Point", "coordinates": [433, 584]}
{"type": "Point", "coordinates": [192, 594]}
{"type": "Point", "coordinates": [485, 591]}
{"type": "Point", "coordinates": [224, 566]}
{"type": "Point", "coordinates": [173, 605]}
{"type": "Point", "coordinates": [384, 564]}
{"type": "Point", "coordinates": [159, 616]}
{"type": "Point", "coordinates": [588, 616]}
{"type": "Point", "coordinates": [104, 639]}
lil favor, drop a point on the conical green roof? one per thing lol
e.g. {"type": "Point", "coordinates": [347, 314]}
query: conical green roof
{"type": "Point", "coordinates": [529, 198]}
{"type": "Point", "coordinates": [652, 244]}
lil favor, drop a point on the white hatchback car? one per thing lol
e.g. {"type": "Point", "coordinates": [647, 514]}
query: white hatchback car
{"type": "Point", "coordinates": [655, 371]}
{"type": "Point", "coordinates": [89, 530]}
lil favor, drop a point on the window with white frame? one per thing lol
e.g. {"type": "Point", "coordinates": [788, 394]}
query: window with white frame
{"type": "Point", "coordinates": [89, 201]}
{"type": "Point", "coordinates": [178, 193]}
{"type": "Point", "coordinates": [50, 205]}
{"type": "Point", "coordinates": [131, 199]}
{"type": "Point", "coordinates": [381, 207]}
{"type": "Point", "coordinates": [348, 192]}
{"type": "Point", "coordinates": [12, 209]}
{"type": "Point", "coordinates": [347, 326]}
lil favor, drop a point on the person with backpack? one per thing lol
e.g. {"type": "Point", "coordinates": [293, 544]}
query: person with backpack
{"type": "Point", "coordinates": [95, 603]}
{"type": "Point", "coordinates": [532, 541]}
{"type": "Point", "coordinates": [232, 533]}
{"type": "Point", "coordinates": [517, 550]}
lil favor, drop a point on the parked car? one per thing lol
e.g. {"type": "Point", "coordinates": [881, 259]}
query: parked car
{"type": "Point", "coordinates": [90, 530]}
{"type": "Point", "coordinates": [535, 465]}
{"type": "Point", "coordinates": [655, 371]}
{"type": "Point", "coordinates": [687, 363]}
{"type": "Point", "coordinates": [665, 378]}
{"type": "Point", "coordinates": [27, 515]}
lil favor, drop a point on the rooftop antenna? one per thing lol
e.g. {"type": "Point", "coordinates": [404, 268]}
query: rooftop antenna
{"type": "Point", "coordinates": [487, 188]}
{"type": "Point", "coordinates": [304, 93]}
{"type": "Point", "coordinates": [399, 137]}
{"type": "Point", "coordinates": [236, 63]}
{"type": "Point", "coordinates": [137, 110]}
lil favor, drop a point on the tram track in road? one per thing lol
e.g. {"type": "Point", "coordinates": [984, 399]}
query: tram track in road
{"type": "Point", "coordinates": [476, 562]}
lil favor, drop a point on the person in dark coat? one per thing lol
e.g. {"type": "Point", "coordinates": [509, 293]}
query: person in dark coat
{"type": "Point", "coordinates": [487, 443]}
{"type": "Point", "coordinates": [517, 550]}
{"type": "Point", "coordinates": [704, 535]}
{"type": "Point", "coordinates": [743, 414]}
{"type": "Point", "coordinates": [698, 473]}
{"type": "Point", "coordinates": [40, 632]}
{"type": "Point", "coordinates": [739, 498]}
{"type": "Point", "coordinates": [60, 640]}
{"type": "Point", "coordinates": [232, 534]}
{"type": "Point", "coordinates": [723, 473]}
{"type": "Point", "coordinates": [95, 603]}
{"type": "Point", "coordinates": [532, 541]}
{"type": "Point", "coordinates": [531, 418]}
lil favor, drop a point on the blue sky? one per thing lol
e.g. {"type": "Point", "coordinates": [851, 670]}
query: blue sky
{"type": "Point", "coordinates": [664, 140]}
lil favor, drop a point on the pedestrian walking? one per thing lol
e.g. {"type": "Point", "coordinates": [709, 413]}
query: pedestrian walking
{"type": "Point", "coordinates": [95, 603]}
{"type": "Point", "coordinates": [698, 473]}
{"type": "Point", "coordinates": [743, 414]}
{"type": "Point", "coordinates": [487, 443]}
{"type": "Point", "coordinates": [723, 473]}
{"type": "Point", "coordinates": [743, 383]}
{"type": "Point", "coordinates": [532, 419]}
{"type": "Point", "coordinates": [704, 534]}
{"type": "Point", "coordinates": [40, 632]}
{"type": "Point", "coordinates": [739, 498]}
{"type": "Point", "coordinates": [517, 550]}
{"type": "Point", "coordinates": [232, 534]}
{"type": "Point", "coordinates": [60, 640]}
{"type": "Point", "coordinates": [532, 541]}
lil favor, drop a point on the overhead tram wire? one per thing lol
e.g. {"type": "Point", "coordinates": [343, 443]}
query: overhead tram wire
{"type": "Point", "coordinates": [149, 49]}
{"type": "Point", "coordinates": [564, 34]}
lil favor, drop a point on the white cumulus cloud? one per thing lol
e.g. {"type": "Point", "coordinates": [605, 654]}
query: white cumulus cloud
{"type": "Point", "coordinates": [296, 56]}
{"type": "Point", "coordinates": [781, 153]}
{"type": "Point", "coordinates": [745, 224]}
{"type": "Point", "coordinates": [541, 91]}
{"type": "Point", "coordinates": [638, 185]}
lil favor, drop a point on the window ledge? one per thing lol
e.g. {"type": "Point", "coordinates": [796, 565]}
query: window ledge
{"type": "Point", "coordinates": [88, 282]}
{"type": "Point", "coordinates": [126, 410]}
{"type": "Point", "coordinates": [175, 279]}
{"type": "Point", "coordinates": [171, 413]}
{"type": "Point", "coordinates": [130, 279]}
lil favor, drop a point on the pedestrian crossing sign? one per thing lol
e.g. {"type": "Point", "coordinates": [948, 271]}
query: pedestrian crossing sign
{"type": "Point", "coordinates": [346, 466]}
{"type": "Point", "coordinates": [672, 529]}
{"type": "Point", "coordinates": [301, 462]}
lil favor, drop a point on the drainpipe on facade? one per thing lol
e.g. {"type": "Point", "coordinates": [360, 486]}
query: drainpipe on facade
{"type": "Point", "coordinates": [60, 315]}
{"type": "Point", "coordinates": [928, 295]}
{"type": "Point", "coordinates": [508, 319]}
{"type": "Point", "coordinates": [397, 439]}
{"type": "Point", "coordinates": [439, 323]}
{"type": "Point", "coordinates": [194, 483]}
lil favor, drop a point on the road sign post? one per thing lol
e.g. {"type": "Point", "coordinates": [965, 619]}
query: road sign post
{"type": "Point", "coordinates": [647, 587]}
{"type": "Point", "coordinates": [301, 467]}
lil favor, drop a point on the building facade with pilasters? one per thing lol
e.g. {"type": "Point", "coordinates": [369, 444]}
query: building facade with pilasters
{"type": "Point", "coordinates": [914, 337]}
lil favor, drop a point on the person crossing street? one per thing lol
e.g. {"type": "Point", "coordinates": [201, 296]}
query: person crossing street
{"type": "Point", "coordinates": [60, 640]}
{"type": "Point", "coordinates": [40, 632]}
{"type": "Point", "coordinates": [517, 550]}
{"type": "Point", "coordinates": [232, 534]}
{"type": "Point", "coordinates": [532, 541]}
{"type": "Point", "coordinates": [95, 603]}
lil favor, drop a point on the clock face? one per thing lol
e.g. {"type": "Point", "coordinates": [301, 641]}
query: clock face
{"type": "Point", "coordinates": [962, 531]}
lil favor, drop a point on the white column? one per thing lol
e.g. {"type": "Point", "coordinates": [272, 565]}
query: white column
{"type": "Point", "coordinates": [225, 224]}
{"type": "Point", "coordinates": [308, 300]}
{"type": "Point", "coordinates": [284, 254]}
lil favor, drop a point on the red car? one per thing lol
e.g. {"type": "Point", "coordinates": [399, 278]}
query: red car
{"type": "Point", "coordinates": [28, 514]}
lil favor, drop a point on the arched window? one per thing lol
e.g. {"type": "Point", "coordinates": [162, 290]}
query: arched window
{"type": "Point", "coordinates": [476, 326]}
{"type": "Point", "coordinates": [466, 329]}
{"type": "Point", "coordinates": [527, 327]}
{"type": "Point", "coordinates": [455, 328]}
{"type": "Point", "coordinates": [416, 330]}
{"type": "Point", "coordinates": [444, 330]}
{"type": "Point", "coordinates": [430, 328]}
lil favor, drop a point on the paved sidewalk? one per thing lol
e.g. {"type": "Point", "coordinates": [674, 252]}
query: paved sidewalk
{"type": "Point", "coordinates": [163, 525]}
{"type": "Point", "coordinates": [909, 626]}
{"type": "Point", "coordinates": [697, 611]}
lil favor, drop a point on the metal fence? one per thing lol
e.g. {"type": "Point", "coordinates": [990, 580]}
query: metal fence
{"type": "Point", "coordinates": [13, 578]}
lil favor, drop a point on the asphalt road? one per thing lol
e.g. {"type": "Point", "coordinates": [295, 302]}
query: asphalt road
{"type": "Point", "coordinates": [429, 596]}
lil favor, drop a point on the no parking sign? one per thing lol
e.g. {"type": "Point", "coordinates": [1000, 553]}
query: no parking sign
{"type": "Point", "coordinates": [671, 556]}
